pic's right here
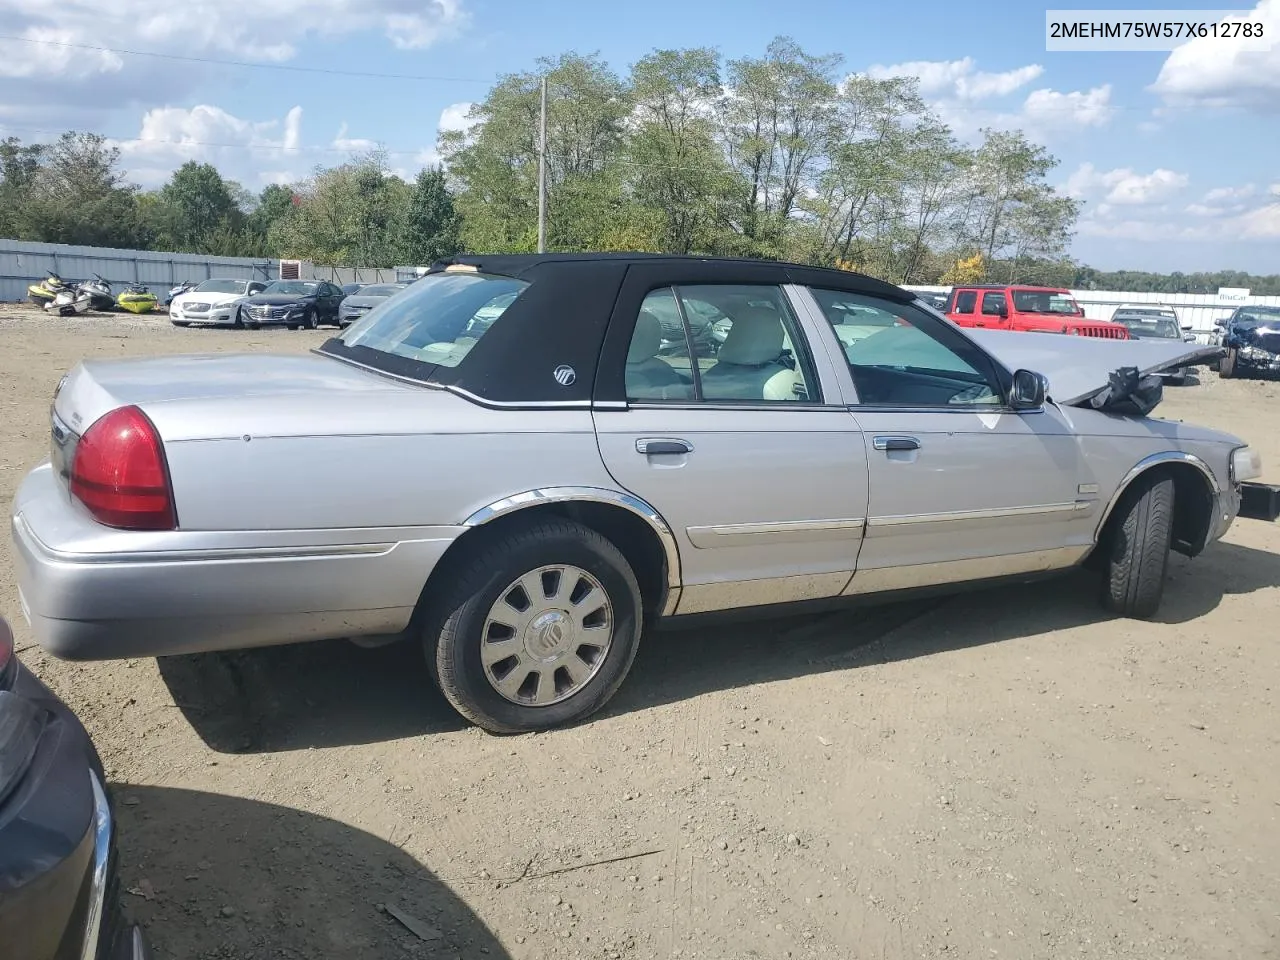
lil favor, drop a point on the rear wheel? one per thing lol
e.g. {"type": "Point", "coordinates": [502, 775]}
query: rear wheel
{"type": "Point", "coordinates": [538, 630]}
{"type": "Point", "coordinates": [1138, 552]}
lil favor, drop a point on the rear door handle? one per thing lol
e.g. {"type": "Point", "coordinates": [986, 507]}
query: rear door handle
{"type": "Point", "coordinates": [651, 446]}
{"type": "Point", "coordinates": [895, 443]}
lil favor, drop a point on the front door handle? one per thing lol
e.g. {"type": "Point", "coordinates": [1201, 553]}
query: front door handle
{"type": "Point", "coordinates": [895, 443]}
{"type": "Point", "coordinates": [651, 446]}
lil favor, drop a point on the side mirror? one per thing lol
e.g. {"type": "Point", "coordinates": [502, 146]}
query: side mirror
{"type": "Point", "coordinates": [1029, 390]}
{"type": "Point", "coordinates": [1003, 313]}
{"type": "Point", "coordinates": [1186, 327]}
{"type": "Point", "coordinates": [1221, 324]}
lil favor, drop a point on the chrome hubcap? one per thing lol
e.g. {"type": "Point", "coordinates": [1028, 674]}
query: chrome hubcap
{"type": "Point", "coordinates": [547, 635]}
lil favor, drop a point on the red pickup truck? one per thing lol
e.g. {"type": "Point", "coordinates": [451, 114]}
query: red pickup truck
{"type": "Point", "coordinates": [1035, 309]}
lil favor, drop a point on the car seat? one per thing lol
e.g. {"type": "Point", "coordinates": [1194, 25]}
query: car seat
{"type": "Point", "coordinates": [749, 365]}
{"type": "Point", "coordinates": [649, 377]}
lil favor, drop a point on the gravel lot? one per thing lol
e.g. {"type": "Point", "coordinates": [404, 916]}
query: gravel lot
{"type": "Point", "coordinates": [1006, 773]}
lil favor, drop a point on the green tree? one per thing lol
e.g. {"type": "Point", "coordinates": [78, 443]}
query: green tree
{"type": "Point", "coordinates": [1010, 211]}
{"type": "Point", "coordinates": [494, 165]}
{"type": "Point", "coordinates": [273, 204]}
{"type": "Point", "coordinates": [346, 216]}
{"type": "Point", "coordinates": [19, 168]}
{"type": "Point", "coordinates": [677, 169]}
{"type": "Point", "coordinates": [197, 211]}
{"type": "Point", "coordinates": [431, 227]}
{"type": "Point", "coordinates": [778, 122]}
{"type": "Point", "coordinates": [79, 195]}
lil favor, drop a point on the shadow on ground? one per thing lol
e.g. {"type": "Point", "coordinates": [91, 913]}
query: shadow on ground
{"type": "Point", "coordinates": [213, 877]}
{"type": "Point", "coordinates": [326, 694]}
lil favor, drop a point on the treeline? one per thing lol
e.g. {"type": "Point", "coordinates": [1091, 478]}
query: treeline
{"type": "Point", "coordinates": [354, 214]}
{"type": "Point", "coordinates": [779, 156]}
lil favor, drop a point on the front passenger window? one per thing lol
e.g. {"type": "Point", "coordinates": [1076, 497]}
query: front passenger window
{"type": "Point", "coordinates": [909, 357]}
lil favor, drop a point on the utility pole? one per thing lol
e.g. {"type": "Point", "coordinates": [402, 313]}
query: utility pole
{"type": "Point", "coordinates": [542, 173]}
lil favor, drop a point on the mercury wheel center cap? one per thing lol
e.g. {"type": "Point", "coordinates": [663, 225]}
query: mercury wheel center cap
{"type": "Point", "coordinates": [549, 635]}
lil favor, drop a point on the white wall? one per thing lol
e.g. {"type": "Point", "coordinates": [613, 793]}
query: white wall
{"type": "Point", "coordinates": [1199, 310]}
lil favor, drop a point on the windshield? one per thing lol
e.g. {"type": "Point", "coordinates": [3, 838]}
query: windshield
{"type": "Point", "coordinates": [1258, 316]}
{"type": "Point", "coordinates": [1158, 328]}
{"type": "Point", "coordinates": [296, 288]}
{"type": "Point", "coordinates": [380, 290]}
{"type": "Point", "coordinates": [438, 320]}
{"type": "Point", "coordinates": [222, 286]}
{"type": "Point", "coordinates": [1044, 301]}
{"type": "Point", "coordinates": [1150, 312]}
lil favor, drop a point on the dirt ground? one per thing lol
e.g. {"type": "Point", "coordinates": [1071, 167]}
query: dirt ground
{"type": "Point", "coordinates": [1001, 774]}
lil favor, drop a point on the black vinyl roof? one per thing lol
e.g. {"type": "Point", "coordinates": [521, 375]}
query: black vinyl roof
{"type": "Point", "coordinates": [519, 264]}
{"type": "Point", "coordinates": [558, 323]}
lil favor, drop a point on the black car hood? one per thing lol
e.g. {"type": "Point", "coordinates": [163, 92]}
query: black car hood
{"type": "Point", "coordinates": [277, 299]}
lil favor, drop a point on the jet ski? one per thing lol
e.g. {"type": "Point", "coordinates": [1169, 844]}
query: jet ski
{"type": "Point", "coordinates": [101, 296]}
{"type": "Point", "coordinates": [177, 291]}
{"type": "Point", "coordinates": [70, 301]}
{"type": "Point", "coordinates": [44, 291]}
{"type": "Point", "coordinates": [137, 299]}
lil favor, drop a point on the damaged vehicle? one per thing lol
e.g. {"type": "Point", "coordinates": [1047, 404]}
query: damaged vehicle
{"type": "Point", "coordinates": [1251, 341]}
{"type": "Point", "coordinates": [502, 465]}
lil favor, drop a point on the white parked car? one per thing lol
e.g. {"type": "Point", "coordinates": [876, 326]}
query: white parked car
{"type": "Point", "coordinates": [216, 301]}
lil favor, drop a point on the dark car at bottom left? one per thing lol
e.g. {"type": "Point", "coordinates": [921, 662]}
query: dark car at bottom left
{"type": "Point", "coordinates": [59, 888]}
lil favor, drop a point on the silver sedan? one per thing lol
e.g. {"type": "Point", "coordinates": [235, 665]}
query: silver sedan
{"type": "Point", "coordinates": [511, 465]}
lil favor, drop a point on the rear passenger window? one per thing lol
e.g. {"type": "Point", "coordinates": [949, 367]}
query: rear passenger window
{"type": "Point", "coordinates": [719, 343]}
{"type": "Point", "coordinates": [966, 300]}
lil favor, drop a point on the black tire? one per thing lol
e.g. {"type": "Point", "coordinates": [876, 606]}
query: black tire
{"type": "Point", "coordinates": [1138, 552]}
{"type": "Point", "coordinates": [1227, 365]}
{"type": "Point", "coordinates": [453, 631]}
{"type": "Point", "coordinates": [238, 322]}
{"type": "Point", "coordinates": [309, 320]}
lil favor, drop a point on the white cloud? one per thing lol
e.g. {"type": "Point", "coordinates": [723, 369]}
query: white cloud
{"type": "Point", "coordinates": [170, 136]}
{"type": "Point", "coordinates": [1123, 187]}
{"type": "Point", "coordinates": [454, 117]}
{"type": "Point", "coordinates": [956, 90]}
{"type": "Point", "coordinates": [1048, 108]}
{"type": "Point", "coordinates": [62, 82]}
{"type": "Point", "coordinates": [957, 79]}
{"type": "Point", "coordinates": [352, 144]}
{"type": "Point", "coordinates": [1212, 72]}
{"type": "Point", "coordinates": [1219, 194]}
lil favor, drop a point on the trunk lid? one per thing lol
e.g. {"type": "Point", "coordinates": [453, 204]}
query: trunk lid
{"type": "Point", "coordinates": [94, 387]}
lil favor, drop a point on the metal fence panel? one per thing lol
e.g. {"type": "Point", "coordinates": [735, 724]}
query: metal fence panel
{"type": "Point", "coordinates": [23, 263]}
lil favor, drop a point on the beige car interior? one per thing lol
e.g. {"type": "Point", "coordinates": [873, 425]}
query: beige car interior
{"type": "Point", "coordinates": [748, 365]}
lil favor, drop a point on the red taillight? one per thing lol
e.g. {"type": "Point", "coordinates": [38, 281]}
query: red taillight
{"type": "Point", "coordinates": [120, 475]}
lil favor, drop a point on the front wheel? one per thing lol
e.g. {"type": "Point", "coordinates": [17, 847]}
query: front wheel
{"type": "Point", "coordinates": [1227, 365]}
{"type": "Point", "coordinates": [238, 322]}
{"type": "Point", "coordinates": [309, 320]}
{"type": "Point", "coordinates": [538, 630]}
{"type": "Point", "coordinates": [1138, 553]}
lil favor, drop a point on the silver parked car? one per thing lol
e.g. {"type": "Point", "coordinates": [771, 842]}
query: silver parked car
{"type": "Point", "coordinates": [355, 305]}
{"type": "Point", "coordinates": [523, 495]}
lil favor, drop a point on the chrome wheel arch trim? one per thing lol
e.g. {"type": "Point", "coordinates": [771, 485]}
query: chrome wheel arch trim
{"type": "Point", "coordinates": [1148, 463]}
{"type": "Point", "coordinates": [604, 495]}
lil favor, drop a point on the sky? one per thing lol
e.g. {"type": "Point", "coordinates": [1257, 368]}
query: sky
{"type": "Point", "coordinates": [1175, 154]}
